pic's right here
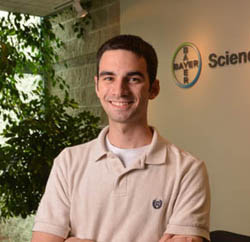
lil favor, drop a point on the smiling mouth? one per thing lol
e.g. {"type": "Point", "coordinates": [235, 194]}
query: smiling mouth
{"type": "Point", "coordinates": [121, 104]}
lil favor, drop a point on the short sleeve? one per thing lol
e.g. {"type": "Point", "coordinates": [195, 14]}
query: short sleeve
{"type": "Point", "coordinates": [192, 205]}
{"type": "Point", "coordinates": [53, 213]}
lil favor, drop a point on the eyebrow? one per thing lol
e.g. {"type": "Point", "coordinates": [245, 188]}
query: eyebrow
{"type": "Point", "coordinates": [106, 73]}
{"type": "Point", "coordinates": [131, 73]}
{"type": "Point", "coordinates": [135, 73]}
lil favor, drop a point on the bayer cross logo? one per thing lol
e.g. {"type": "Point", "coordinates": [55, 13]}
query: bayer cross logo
{"type": "Point", "coordinates": [186, 65]}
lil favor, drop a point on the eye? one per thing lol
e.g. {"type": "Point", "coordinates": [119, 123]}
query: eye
{"type": "Point", "coordinates": [134, 79]}
{"type": "Point", "coordinates": [108, 78]}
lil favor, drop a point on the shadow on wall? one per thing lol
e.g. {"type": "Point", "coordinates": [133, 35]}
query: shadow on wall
{"type": "Point", "coordinates": [224, 236]}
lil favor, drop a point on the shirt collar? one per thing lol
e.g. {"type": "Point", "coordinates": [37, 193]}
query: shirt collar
{"type": "Point", "coordinates": [100, 148]}
{"type": "Point", "coordinates": [156, 153]}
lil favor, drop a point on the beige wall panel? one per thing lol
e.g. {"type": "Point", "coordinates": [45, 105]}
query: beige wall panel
{"type": "Point", "coordinates": [211, 119]}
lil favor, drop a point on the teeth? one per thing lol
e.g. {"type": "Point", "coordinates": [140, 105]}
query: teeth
{"type": "Point", "coordinates": [120, 103]}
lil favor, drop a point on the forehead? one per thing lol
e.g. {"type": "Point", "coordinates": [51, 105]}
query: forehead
{"type": "Point", "coordinates": [122, 59]}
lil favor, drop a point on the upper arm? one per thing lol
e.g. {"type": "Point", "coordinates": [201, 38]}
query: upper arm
{"type": "Point", "coordinates": [192, 205]}
{"type": "Point", "coordinates": [53, 214]}
{"type": "Point", "coordinates": [45, 237]}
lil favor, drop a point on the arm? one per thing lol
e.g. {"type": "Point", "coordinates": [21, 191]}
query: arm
{"type": "Point", "coordinates": [180, 238]}
{"type": "Point", "coordinates": [54, 204]}
{"type": "Point", "coordinates": [45, 237]}
{"type": "Point", "coordinates": [74, 239]}
{"type": "Point", "coordinates": [190, 218]}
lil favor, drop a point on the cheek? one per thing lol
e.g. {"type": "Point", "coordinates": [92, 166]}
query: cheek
{"type": "Point", "coordinates": [99, 89]}
{"type": "Point", "coordinates": [103, 92]}
{"type": "Point", "coordinates": [144, 93]}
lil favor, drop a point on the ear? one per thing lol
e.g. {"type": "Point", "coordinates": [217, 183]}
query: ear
{"type": "Point", "coordinates": [96, 86]}
{"type": "Point", "coordinates": [154, 90]}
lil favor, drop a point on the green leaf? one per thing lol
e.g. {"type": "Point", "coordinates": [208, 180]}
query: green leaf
{"type": "Point", "coordinates": [37, 129]}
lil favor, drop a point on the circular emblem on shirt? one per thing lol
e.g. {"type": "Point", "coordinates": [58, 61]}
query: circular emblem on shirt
{"type": "Point", "coordinates": [157, 204]}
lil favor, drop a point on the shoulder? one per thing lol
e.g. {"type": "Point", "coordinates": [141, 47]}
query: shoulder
{"type": "Point", "coordinates": [180, 155]}
{"type": "Point", "coordinates": [188, 168]}
{"type": "Point", "coordinates": [75, 156]}
{"type": "Point", "coordinates": [78, 150]}
{"type": "Point", "coordinates": [182, 160]}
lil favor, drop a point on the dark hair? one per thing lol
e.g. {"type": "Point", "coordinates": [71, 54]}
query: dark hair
{"type": "Point", "coordinates": [135, 44]}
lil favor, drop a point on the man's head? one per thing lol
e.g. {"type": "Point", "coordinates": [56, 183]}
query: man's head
{"type": "Point", "coordinates": [125, 66]}
{"type": "Point", "coordinates": [136, 45]}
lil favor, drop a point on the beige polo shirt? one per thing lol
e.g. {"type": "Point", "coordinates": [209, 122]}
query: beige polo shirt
{"type": "Point", "coordinates": [91, 195]}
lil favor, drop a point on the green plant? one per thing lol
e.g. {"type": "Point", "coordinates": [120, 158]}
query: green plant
{"type": "Point", "coordinates": [16, 229]}
{"type": "Point", "coordinates": [38, 125]}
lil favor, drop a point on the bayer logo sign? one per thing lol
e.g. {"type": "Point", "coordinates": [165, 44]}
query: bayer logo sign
{"type": "Point", "coordinates": [186, 65]}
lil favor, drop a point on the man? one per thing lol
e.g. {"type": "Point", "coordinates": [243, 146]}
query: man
{"type": "Point", "coordinates": [129, 184]}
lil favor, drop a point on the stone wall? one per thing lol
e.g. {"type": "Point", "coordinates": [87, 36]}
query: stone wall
{"type": "Point", "coordinates": [80, 53]}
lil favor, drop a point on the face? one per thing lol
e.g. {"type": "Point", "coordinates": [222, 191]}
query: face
{"type": "Point", "coordinates": [123, 87]}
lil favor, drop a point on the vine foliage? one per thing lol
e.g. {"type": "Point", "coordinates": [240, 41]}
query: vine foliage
{"type": "Point", "coordinates": [37, 124]}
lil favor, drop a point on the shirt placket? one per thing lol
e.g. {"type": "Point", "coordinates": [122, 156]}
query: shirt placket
{"type": "Point", "coordinates": [120, 183]}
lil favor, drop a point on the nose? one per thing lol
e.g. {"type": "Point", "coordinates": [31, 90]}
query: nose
{"type": "Point", "coordinates": [120, 87]}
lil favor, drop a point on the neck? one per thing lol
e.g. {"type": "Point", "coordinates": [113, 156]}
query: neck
{"type": "Point", "coordinates": [128, 137]}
